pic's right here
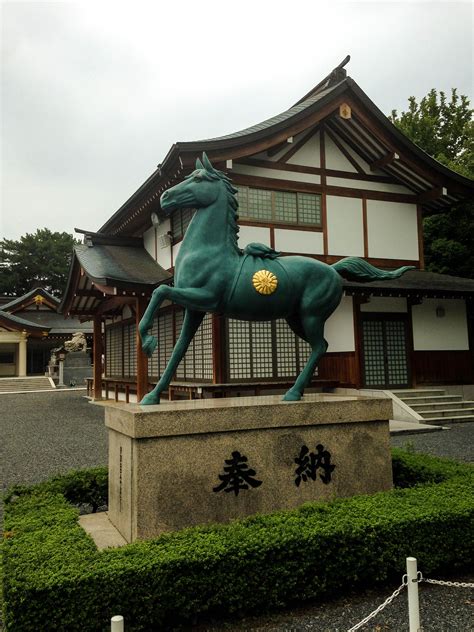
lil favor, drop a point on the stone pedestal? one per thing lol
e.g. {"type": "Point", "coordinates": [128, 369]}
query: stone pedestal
{"type": "Point", "coordinates": [77, 367]}
{"type": "Point", "coordinates": [188, 463]}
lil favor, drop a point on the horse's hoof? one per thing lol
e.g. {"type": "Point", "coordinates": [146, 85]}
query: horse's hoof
{"type": "Point", "coordinates": [149, 399]}
{"type": "Point", "coordinates": [291, 396]}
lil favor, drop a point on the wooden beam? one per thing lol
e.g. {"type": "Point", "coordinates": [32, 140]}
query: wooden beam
{"type": "Point", "coordinates": [142, 359]}
{"type": "Point", "coordinates": [91, 292]}
{"type": "Point", "coordinates": [97, 357]}
{"type": "Point", "coordinates": [344, 151]}
{"type": "Point", "coordinates": [112, 303]}
{"type": "Point", "coordinates": [384, 161]}
{"type": "Point", "coordinates": [297, 146]}
{"type": "Point", "coordinates": [432, 194]}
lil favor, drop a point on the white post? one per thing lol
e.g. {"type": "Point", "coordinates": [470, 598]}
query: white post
{"type": "Point", "coordinates": [61, 373]}
{"type": "Point", "coordinates": [413, 605]}
{"type": "Point", "coordinates": [116, 624]}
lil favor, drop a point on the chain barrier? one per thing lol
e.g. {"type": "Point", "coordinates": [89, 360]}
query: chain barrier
{"type": "Point", "coordinates": [382, 605]}
{"type": "Point", "coordinates": [419, 579]}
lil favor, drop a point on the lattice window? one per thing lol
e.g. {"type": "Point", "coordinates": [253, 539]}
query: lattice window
{"type": "Point", "coordinates": [309, 208]}
{"type": "Point", "coordinates": [373, 345]}
{"type": "Point", "coordinates": [126, 351]}
{"type": "Point", "coordinates": [240, 363]}
{"type": "Point", "coordinates": [262, 349]}
{"type": "Point", "coordinates": [132, 329]}
{"type": "Point", "coordinates": [268, 206]}
{"type": "Point", "coordinates": [153, 361]}
{"type": "Point", "coordinates": [114, 351]}
{"type": "Point", "coordinates": [179, 317]}
{"type": "Point", "coordinates": [165, 340]}
{"type": "Point", "coordinates": [285, 207]}
{"type": "Point", "coordinates": [396, 352]}
{"type": "Point", "coordinates": [265, 350]}
{"type": "Point", "coordinates": [285, 349]}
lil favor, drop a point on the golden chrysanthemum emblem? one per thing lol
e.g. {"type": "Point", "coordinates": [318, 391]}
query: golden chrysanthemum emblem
{"type": "Point", "coordinates": [265, 282]}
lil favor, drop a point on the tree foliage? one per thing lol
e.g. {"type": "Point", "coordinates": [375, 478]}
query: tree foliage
{"type": "Point", "coordinates": [445, 130]}
{"type": "Point", "coordinates": [38, 259]}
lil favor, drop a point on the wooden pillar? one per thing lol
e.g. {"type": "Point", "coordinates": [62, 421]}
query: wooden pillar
{"type": "Point", "coordinates": [22, 354]}
{"type": "Point", "coordinates": [218, 349]}
{"type": "Point", "coordinates": [97, 353]}
{"type": "Point", "coordinates": [142, 360]}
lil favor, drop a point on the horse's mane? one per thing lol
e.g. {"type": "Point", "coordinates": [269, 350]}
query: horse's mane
{"type": "Point", "coordinates": [208, 172]}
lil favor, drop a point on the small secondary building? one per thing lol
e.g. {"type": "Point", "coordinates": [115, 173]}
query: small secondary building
{"type": "Point", "coordinates": [330, 177]}
{"type": "Point", "coordinates": [30, 327]}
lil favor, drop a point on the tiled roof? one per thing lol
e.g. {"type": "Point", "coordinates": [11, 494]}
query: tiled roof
{"type": "Point", "coordinates": [418, 282]}
{"type": "Point", "coordinates": [25, 297]}
{"type": "Point", "coordinates": [18, 322]}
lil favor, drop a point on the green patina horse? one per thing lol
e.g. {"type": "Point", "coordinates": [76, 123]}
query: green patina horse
{"type": "Point", "coordinates": [212, 274]}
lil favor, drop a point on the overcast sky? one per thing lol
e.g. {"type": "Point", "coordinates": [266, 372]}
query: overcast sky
{"type": "Point", "coordinates": [95, 93]}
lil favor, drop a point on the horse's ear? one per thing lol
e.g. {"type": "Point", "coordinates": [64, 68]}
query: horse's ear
{"type": "Point", "coordinates": [207, 162]}
{"type": "Point", "coordinates": [199, 164]}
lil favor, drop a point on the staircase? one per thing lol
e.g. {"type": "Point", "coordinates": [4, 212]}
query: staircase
{"type": "Point", "coordinates": [24, 384]}
{"type": "Point", "coordinates": [436, 407]}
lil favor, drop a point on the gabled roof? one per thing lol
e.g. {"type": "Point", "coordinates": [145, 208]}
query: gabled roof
{"type": "Point", "coordinates": [15, 323]}
{"type": "Point", "coordinates": [29, 298]}
{"type": "Point", "coordinates": [109, 265]}
{"type": "Point", "coordinates": [375, 137]}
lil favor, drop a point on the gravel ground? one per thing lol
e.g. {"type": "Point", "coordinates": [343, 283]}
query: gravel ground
{"type": "Point", "coordinates": [47, 433]}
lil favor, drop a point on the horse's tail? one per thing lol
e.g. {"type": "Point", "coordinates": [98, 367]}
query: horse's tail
{"type": "Point", "coordinates": [355, 269]}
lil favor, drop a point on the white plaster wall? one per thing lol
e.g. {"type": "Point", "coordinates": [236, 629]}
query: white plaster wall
{"type": "Point", "coordinates": [334, 158]}
{"type": "Point", "coordinates": [308, 155]}
{"type": "Point", "coordinates": [392, 230]}
{"type": "Point", "coordinates": [368, 186]}
{"type": "Point", "coordinates": [365, 166]}
{"type": "Point", "coordinates": [339, 328]}
{"type": "Point", "coordinates": [431, 333]}
{"type": "Point", "coordinates": [299, 241]}
{"type": "Point", "coordinates": [163, 253]}
{"type": "Point", "coordinates": [276, 174]}
{"type": "Point", "coordinates": [345, 226]}
{"type": "Point", "coordinates": [248, 234]}
{"type": "Point", "coordinates": [385, 304]}
{"type": "Point", "coordinates": [149, 237]}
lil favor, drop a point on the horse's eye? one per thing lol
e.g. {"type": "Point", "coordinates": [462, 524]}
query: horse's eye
{"type": "Point", "coordinates": [197, 176]}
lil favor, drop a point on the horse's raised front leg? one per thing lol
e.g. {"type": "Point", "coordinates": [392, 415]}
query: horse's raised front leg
{"type": "Point", "coordinates": [314, 334]}
{"type": "Point", "coordinates": [191, 323]}
{"type": "Point", "coordinates": [190, 298]}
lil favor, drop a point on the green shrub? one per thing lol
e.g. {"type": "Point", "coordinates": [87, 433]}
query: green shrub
{"type": "Point", "coordinates": [55, 579]}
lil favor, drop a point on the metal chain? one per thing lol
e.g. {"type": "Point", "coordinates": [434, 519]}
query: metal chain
{"type": "Point", "coordinates": [381, 607]}
{"type": "Point", "coordinates": [440, 582]}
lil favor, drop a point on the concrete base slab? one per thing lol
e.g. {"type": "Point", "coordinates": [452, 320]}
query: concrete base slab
{"type": "Point", "coordinates": [101, 530]}
{"type": "Point", "coordinates": [412, 427]}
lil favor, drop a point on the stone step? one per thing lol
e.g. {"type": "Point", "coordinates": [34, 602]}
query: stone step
{"type": "Point", "coordinates": [450, 420]}
{"type": "Point", "coordinates": [8, 385]}
{"type": "Point", "coordinates": [409, 401]}
{"type": "Point", "coordinates": [447, 412]}
{"type": "Point", "coordinates": [422, 392]}
{"type": "Point", "coordinates": [423, 408]}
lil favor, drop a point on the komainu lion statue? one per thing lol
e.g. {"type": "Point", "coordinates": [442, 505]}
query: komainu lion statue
{"type": "Point", "coordinates": [77, 343]}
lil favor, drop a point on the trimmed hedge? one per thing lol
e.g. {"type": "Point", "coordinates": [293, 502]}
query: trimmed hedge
{"type": "Point", "coordinates": [55, 579]}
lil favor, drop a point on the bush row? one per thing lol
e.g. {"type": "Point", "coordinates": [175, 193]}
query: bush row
{"type": "Point", "coordinates": [55, 579]}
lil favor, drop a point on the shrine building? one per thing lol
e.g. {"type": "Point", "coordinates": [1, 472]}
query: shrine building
{"type": "Point", "coordinates": [328, 178]}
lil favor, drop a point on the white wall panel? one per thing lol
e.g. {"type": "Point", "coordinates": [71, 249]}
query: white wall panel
{"type": "Point", "coordinates": [432, 333]}
{"type": "Point", "coordinates": [385, 304]}
{"type": "Point", "coordinates": [308, 155]}
{"type": "Point", "coordinates": [368, 186]}
{"type": "Point", "coordinates": [392, 230]}
{"type": "Point", "coordinates": [248, 234]}
{"type": "Point", "coordinates": [276, 174]}
{"type": "Point", "coordinates": [335, 159]}
{"type": "Point", "coordinates": [149, 241]}
{"type": "Point", "coordinates": [299, 241]}
{"type": "Point", "coordinates": [339, 328]}
{"type": "Point", "coordinates": [345, 226]}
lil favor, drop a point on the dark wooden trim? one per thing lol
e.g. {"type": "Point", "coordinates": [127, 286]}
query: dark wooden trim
{"type": "Point", "coordinates": [421, 250]}
{"type": "Point", "coordinates": [344, 151]}
{"type": "Point", "coordinates": [297, 146]}
{"type": "Point", "coordinates": [218, 349]}
{"type": "Point", "coordinates": [113, 303]}
{"type": "Point", "coordinates": [410, 344]}
{"type": "Point", "coordinates": [142, 359]}
{"type": "Point", "coordinates": [336, 126]}
{"type": "Point", "coordinates": [324, 206]}
{"type": "Point", "coordinates": [432, 195]}
{"type": "Point", "coordinates": [384, 161]}
{"type": "Point", "coordinates": [97, 357]}
{"type": "Point", "coordinates": [273, 151]}
{"type": "Point", "coordinates": [271, 226]}
{"type": "Point", "coordinates": [272, 237]}
{"type": "Point", "coordinates": [335, 173]}
{"type": "Point", "coordinates": [356, 303]}
{"type": "Point", "coordinates": [306, 187]}
{"type": "Point", "coordinates": [365, 227]}
{"type": "Point", "coordinates": [443, 367]}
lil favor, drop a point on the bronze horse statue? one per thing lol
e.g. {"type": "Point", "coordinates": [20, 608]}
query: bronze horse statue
{"type": "Point", "coordinates": [212, 274]}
